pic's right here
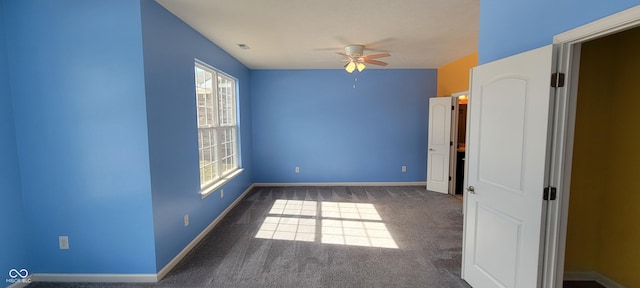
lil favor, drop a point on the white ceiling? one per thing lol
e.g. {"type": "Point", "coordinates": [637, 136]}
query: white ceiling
{"type": "Point", "coordinates": [306, 34]}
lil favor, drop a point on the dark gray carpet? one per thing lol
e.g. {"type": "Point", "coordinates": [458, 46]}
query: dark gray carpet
{"type": "Point", "coordinates": [426, 226]}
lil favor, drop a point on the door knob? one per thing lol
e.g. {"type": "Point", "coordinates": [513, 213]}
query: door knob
{"type": "Point", "coordinates": [471, 190]}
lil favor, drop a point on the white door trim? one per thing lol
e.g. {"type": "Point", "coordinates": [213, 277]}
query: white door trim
{"type": "Point", "coordinates": [569, 44]}
{"type": "Point", "coordinates": [605, 26]}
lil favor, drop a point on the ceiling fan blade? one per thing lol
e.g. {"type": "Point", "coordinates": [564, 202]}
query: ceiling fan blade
{"type": "Point", "coordinates": [375, 62]}
{"type": "Point", "coordinates": [376, 56]}
{"type": "Point", "coordinates": [340, 53]}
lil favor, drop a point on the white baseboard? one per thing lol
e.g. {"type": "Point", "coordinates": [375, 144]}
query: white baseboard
{"type": "Point", "coordinates": [607, 282]}
{"type": "Point", "coordinates": [167, 268]}
{"type": "Point", "coordinates": [93, 278]}
{"type": "Point", "coordinates": [419, 183]}
{"type": "Point", "coordinates": [592, 276]}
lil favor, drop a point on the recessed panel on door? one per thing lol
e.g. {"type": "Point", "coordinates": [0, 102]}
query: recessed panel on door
{"type": "Point", "coordinates": [498, 256]}
{"type": "Point", "coordinates": [502, 132]}
{"type": "Point", "coordinates": [440, 115]}
{"type": "Point", "coordinates": [437, 171]}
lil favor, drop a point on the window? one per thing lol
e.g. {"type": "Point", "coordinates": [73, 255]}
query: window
{"type": "Point", "coordinates": [217, 127]}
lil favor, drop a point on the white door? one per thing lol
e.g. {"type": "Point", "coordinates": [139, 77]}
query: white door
{"type": "Point", "coordinates": [439, 144]}
{"type": "Point", "coordinates": [506, 153]}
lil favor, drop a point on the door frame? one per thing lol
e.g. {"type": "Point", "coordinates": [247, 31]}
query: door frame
{"type": "Point", "coordinates": [453, 156]}
{"type": "Point", "coordinates": [564, 116]}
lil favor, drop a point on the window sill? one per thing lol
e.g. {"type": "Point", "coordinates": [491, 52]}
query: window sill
{"type": "Point", "coordinates": [224, 180]}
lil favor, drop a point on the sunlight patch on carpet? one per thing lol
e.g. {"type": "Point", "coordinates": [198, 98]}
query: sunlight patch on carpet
{"type": "Point", "coordinates": [342, 223]}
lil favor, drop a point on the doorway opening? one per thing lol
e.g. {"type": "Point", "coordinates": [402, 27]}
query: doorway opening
{"type": "Point", "coordinates": [458, 138]}
{"type": "Point", "coordinates": [602, 233]}
{"type": "Point", "coordinates": [446, 143]}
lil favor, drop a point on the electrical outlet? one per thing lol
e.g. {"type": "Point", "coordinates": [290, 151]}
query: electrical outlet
{"type": "Point", "coordinates": [297, 169]}
{"type": "Point", "coordinates": [222, 193]}
{"type": "Point", "coordinates": [186, 220]}
{"type": "Point", "coordinates": [404, 169]}
{"type": "Point", "coordinates": [63, 242]}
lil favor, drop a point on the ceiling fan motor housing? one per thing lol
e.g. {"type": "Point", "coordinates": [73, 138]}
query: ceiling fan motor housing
{"type": "Point", "coordinates": [354, 50]}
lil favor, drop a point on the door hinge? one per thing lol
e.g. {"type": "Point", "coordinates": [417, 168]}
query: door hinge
{"type": "Point", "coordinates": [449, 178]}
{"type": "Point", "coordinates": [550, 193]}
{"type": "Point", "coordinates": [450, 143]}
{"type": "Point", "coordinates": [452, 108]}
{"type": "Point", "coordinates": [557, 80]}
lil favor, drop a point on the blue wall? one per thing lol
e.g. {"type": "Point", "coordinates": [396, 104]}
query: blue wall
{"type": "Point", "coordinates": [316, 120]}
{"type": "Point", "coordinates": [80, 120]}
{"type": "Point", "coordinates": [511, 27]}
{"type": "Point", "coordinates": [13, 251]}
{"type": "Point", "coordinates": [170, 47]}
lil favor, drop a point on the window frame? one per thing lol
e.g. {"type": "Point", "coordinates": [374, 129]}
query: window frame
{"type": "Point", "coordinates": [222, 146]}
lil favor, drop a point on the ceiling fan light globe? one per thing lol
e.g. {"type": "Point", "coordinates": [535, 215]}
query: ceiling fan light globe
{"type": "Point", "coordinates": [350, 67]}
{"type": "Point", "coordinates": [360, 67]}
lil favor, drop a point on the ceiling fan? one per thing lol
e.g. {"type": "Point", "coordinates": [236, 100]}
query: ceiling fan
{"type": "Point", "coordinates": [355, 58]}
